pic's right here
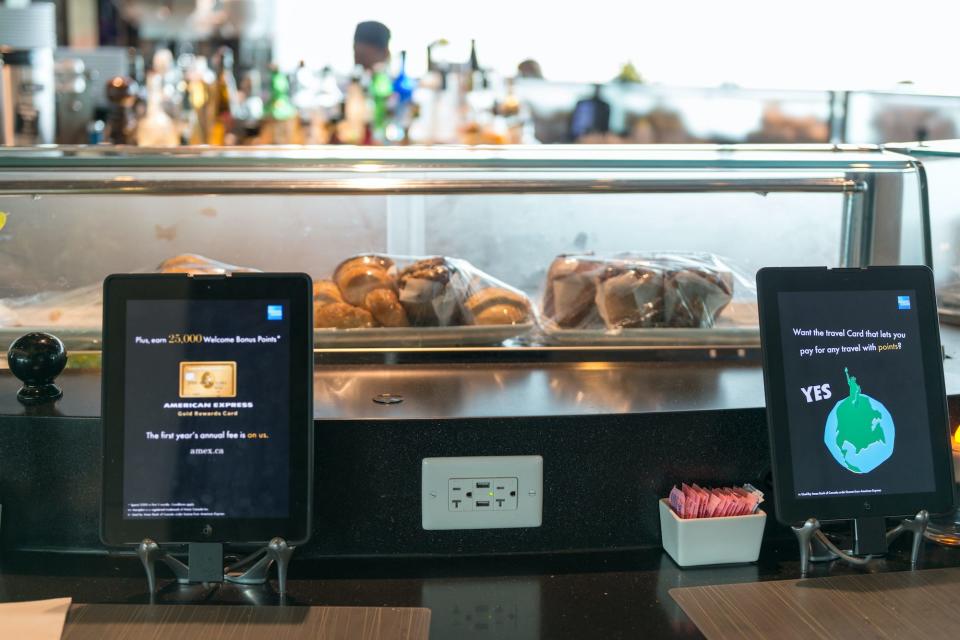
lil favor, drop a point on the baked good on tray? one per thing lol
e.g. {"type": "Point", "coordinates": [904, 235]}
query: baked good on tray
{"type": "Point", "coordinates": [340, 315]}
{"type": "Point", "coordinates": [326, 292]}
{"type": "Point", "coordinates": [630, 295]}
{"type": "Point", "coordinates": [331, 311]}
{"type": "Point", "coordinates": [431, 292]}
{"type": "Point", "coordinates": [496, 305]}
{"type": "Point", "coordinates": [196, 264]}
{"type": "Point", "coordinates": [385, 307]}
{"type": "Point", "coordinates": [374, 291]}
{"type": "Point", "coordinates": [694, 297]}
{"type": "Point", "coordinates": [360, 275]}
{"type": "Point", "coordinates": [630, 291]}
{"type": "Point", "coordinates": [570, 292]}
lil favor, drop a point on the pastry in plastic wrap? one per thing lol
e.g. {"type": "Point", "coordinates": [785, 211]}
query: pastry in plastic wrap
{"type": "Point", "coordinates": [386, 308]}
{"type": "Point", "coordinates": [570, 292]}
{"type": "Point", "coordinates": [193, 263]}
{"type": "Point", "coordinates": [359, 276]}
{"type": "Point", "coordinates": [340, 315]}
{"type": "Point", "coordinates": [404, 291]}
{"type": "Point", "coordinates": [630, 296]}
{"type": "Point", "coordinates": [695, 296]}
{"type": "Point", "coordinates": [496, 305]}
{"type": "Point", "coordinates": [430, 292]}
{"type": "Point", "coordinates": [326, 292]}
{"type": "Point", "coordinates": [631, 291]}
{"type": "Point", "coordinates": [82, 307]}
{"type": "Point", "coordinates": [330, 311]}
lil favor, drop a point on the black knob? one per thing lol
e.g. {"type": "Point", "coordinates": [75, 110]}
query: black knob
{"type": "Point", "coordinates": [37, 359]}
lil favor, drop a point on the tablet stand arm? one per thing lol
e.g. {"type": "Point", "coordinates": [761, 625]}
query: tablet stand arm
{"type": "Point", "coordinates": [207, 562]}
{"type": "Point", "coordinates": [277, 550]}
{"type": "Point", "coordinates": [149, 552]}
{"type": "Point", "coordinates": [809, 535]}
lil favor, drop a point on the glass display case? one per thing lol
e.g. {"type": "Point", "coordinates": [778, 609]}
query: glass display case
{"type": "Point", "coordinates": [940, 162]}
{"type": "Point", "coordinates": [879, 117]}
{"type": "Point", "coordinates": [643, 113]}
{"type": "Point", "coordinates": [655, 380]}
{"type": "Point", "coordinates": [517, 249]}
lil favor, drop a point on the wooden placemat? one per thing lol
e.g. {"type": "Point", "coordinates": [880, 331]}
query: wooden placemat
{"type": "Point", "coordinates": [906, 604]}
{"type": "Point", "coordinates": [216, 622]}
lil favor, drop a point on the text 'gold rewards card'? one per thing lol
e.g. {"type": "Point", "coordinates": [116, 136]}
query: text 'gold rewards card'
{"type": "Point", "coordinates": [208, 379]}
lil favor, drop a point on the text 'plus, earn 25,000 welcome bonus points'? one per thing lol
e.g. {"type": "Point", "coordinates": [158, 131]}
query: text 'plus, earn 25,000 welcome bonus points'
{"type": "Point", "coordinates": [206, 409]}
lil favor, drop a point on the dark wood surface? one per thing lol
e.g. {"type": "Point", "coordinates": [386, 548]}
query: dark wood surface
{"type": "Point", "coordinates": [908, 604]}
{"type": "Point", "coordinates": [592, 595]}
{"type": "Point", "coordinates": [222, 622]}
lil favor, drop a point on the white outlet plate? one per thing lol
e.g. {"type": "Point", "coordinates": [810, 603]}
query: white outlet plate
{"type": "Point", "coordinates": [445, 483]}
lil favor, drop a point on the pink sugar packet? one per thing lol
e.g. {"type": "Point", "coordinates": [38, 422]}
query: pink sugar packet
{"type": "Point", "coordinates": [693, 501]}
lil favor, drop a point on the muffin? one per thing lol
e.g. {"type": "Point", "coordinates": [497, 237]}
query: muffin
{"type": "Point", "coordinates": [569, 296]}
{"type": "Point", "coordinates": [630, 295]}
{"type": "Point", "coordinates": [430, 292]}
{"type": "Point", "coordinates": [694, 297]}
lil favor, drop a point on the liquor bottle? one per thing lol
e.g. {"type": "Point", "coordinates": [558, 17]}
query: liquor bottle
{"type": "Point", "coordinates": [172, 85]}
{"type": "Point", "coordinates": [200, 79]}
{"type": "Point", "coordinates": [381, 88]}
{"type": "Point", "coordinates": [474, 75]}
{"type": "Point", "coordinates": [432, 64]}
{"type": "Point", "coordinates": [279, 106]}
{"type": "Point", "coordinates": [121, 123]}
{"type": "Point", "coordinates": [156, 128]}
{"type": "Point", "coordinates": [404, 109]}
{"type": "Point", "coordinates": [224, 100]}
{"type": "Point", "coordinates": [402, 85]}
{"type": "Point", "coordinates": [352, 129]}
{"type": "Point", "coordinates": [281, 121]}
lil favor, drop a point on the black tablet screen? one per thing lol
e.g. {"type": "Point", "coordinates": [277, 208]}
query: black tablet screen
{"type": "Point", "coordinates": [856, 398]}
{"type": "Point", "coordinates": [206, 409]}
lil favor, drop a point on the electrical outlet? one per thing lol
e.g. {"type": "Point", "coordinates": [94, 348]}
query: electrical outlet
{"type": "Point", "coordinates": [482, 492]}
{"type": "Point", "coordinates": [477, 494]}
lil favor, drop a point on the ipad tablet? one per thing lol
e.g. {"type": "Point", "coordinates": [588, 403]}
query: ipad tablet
{"type": "Point", "coordinates": [856, 404]}
{"type": "Point", "coordinates": [207, 408]}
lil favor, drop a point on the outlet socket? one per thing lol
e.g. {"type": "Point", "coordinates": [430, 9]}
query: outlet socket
{"type": "Point", "coordinates": [477, 494]}
{"type": "Point", "coordinates": [482, 492]}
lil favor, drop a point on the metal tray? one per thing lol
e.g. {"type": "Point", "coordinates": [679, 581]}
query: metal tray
{"type": "Point", "coordinates": [736, 327]}
{"type": "Point", "coordinates": [666, 337]}
{"type": "Point", "coordinates": [411, 337]}
{"type": "Point", "coordinates": [90, 339]}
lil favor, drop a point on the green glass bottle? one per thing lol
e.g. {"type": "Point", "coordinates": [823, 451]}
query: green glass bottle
{"type": "Point", "coordinates": [279, 107]}
{"type": "Point", "coordinates": [381, 88]}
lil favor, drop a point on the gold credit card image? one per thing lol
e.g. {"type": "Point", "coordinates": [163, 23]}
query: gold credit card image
{"type": "Point", "coordinates": [208, 379]}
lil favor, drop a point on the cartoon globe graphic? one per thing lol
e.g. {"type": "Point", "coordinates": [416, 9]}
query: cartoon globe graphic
{"type": "Point", "coordinates": [859, 432]}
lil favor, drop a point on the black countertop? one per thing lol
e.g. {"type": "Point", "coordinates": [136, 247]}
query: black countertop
{"type": "Point", "coordinates": [505, 382]}
{"type": "Point", "coordinates": [594, 595]}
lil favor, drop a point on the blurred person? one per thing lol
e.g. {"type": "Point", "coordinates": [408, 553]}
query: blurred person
{"type": "Point", "coordinates": [371, 44]}
{"type": "Point", "coordinates": [529, 68]}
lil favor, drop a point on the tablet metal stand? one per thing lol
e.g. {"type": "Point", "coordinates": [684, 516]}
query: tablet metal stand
{"type": "Point", "coordinates": [870, 538]}
{"type": "Point", "coordinates": [205, 564]}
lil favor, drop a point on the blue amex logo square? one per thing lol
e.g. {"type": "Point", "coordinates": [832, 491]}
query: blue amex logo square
{"type": "Point", "coordinates": [275, 311]}
{"type": "Point", "coordinates": [903, 302]}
